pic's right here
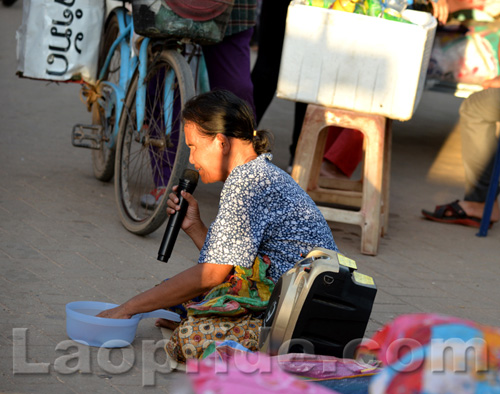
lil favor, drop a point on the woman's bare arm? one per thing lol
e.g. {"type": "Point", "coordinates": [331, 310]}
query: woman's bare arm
{"type": "Point", "coordinates": [181, 288]}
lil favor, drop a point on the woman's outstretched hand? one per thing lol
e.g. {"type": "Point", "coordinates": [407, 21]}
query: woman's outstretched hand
{"type": "Point", "coordinates": [115, 313]}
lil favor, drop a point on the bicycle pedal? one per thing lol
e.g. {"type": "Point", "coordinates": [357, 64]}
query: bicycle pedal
{"type": "Point", "coordinates": [87, 136]}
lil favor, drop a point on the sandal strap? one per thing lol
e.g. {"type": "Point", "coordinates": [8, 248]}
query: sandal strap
{"type": "Point", "coordinates": [453, 207]}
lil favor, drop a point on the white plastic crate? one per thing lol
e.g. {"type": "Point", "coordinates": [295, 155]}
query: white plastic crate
{"type": "Point", "coordinates": [356, 62]}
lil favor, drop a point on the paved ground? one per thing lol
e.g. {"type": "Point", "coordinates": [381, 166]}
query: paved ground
{"type": "Point", "coordinates": [61, 240]}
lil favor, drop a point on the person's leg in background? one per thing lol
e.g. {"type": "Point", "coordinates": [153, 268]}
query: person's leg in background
{"type": "Point", "coordinates": [479, 115]}
{"type": "Point", "coordinates": [228, 65]}
{"type": "Point", "coordinates": [265, 72]}
{"type": "Point", "coordinates": [298, 120]}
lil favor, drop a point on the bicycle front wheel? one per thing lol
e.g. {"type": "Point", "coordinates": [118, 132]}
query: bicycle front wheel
{"type": "Point", "coordinates": [150, 161]}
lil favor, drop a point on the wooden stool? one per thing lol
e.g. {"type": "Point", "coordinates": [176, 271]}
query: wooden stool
{"type": "Point", "coordinates": [370, 194]}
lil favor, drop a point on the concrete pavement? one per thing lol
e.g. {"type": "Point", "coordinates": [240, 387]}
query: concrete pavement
{"type": "Point", "coordinates": [61, 239]}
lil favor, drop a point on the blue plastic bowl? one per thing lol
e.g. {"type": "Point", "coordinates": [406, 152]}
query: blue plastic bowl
{"type": "Point", "coordinates": [84, 327]}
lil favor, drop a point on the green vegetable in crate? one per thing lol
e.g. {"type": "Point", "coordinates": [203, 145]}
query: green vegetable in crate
{"type": "Point", "coordinates": [360, 9]}
{"type": "Point", "coordinates": [393, 15]}
{"type": "Point", "coordinates": [373, 8]}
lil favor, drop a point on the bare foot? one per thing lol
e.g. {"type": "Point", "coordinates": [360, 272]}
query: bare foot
{"type": "Point", "coordinates": [475, 209]}
{"type": "Point", "coordinates": [166, 324]}
{"type": "Point", "coordinates": [330, 170]}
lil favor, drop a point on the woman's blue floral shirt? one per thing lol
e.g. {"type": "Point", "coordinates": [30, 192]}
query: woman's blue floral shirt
{"type": "Point", "coordinates": [263, 211]}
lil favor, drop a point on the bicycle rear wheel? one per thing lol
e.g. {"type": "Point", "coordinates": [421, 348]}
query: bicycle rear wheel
{"type": "Point", "coordinates": [103, 160]}
{"type": "Point", "coordinates": [150, 160]}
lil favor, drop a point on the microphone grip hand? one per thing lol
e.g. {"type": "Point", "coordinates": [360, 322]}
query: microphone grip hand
{"type": "Point", "coordinates": [187, 183]}
{"type": "Point", "coordinates": [174, 225]}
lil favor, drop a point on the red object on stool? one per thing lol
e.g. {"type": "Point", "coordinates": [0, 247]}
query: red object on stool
{"type": "Point", "coordinates": [344, 148]}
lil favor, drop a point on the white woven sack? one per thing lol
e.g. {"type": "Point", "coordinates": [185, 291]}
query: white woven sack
{"type": "Point", "coordinates": [59, 39]}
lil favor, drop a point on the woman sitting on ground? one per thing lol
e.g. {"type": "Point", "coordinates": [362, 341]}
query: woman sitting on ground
{"type": "Point", "coordinates": [265, 223]}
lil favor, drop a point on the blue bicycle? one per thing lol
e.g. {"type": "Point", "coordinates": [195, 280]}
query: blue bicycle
{"type": "Point", "coordinates": [136, 132]}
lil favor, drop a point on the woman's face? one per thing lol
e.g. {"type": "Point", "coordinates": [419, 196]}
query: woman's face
{"type": "Point", "coordinates": [206, 154]}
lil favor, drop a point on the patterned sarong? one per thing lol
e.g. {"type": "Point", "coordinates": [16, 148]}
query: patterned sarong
{"type": "Point", "coordinates": [229, 311]}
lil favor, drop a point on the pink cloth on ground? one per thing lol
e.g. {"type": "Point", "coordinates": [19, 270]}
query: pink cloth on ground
{"type": "Point", "coordinates": [230, 368]}
{"type": "Point", "coordinates": [247, 373]}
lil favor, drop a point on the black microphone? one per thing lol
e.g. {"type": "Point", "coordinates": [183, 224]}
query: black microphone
{"type": "Point", "coordinates": [188, 183]}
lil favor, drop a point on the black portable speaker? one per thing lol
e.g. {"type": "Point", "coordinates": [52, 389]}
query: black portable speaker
{"type": "Point", "coordinates": [321, 306]}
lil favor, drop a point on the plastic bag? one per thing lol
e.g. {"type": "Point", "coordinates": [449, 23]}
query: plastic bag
{"type": "Point", "coordinates": [155, 18]}
{"type": "Point", "coordinates": [59, 40]}
{"type": "Point", "coordinates": [470, 58]}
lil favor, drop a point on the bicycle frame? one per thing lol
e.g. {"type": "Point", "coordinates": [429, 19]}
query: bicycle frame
{"type": "Point", "coordinates": [127, 67]}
